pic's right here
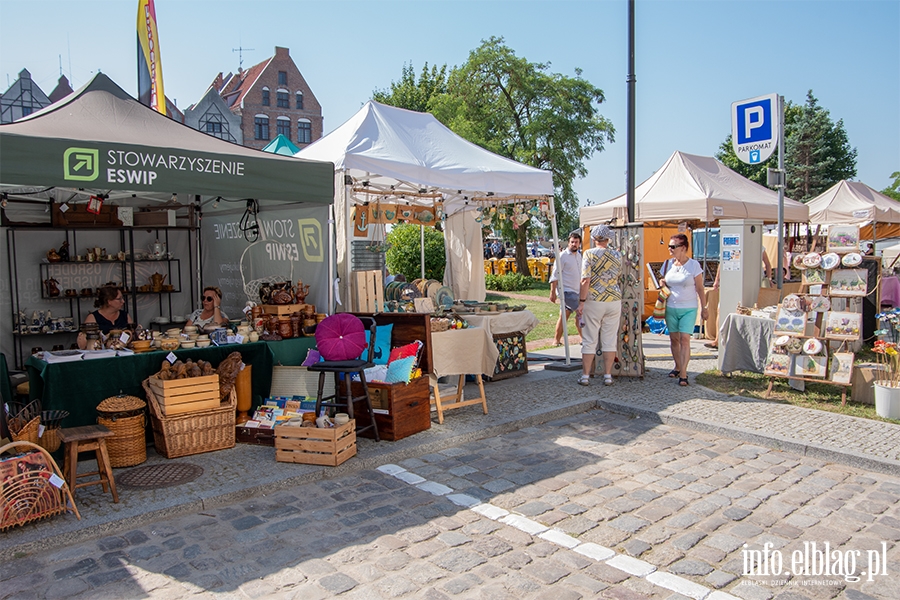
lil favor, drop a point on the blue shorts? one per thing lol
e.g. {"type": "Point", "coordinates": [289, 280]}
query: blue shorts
{"type": "Point", "coordinates": [571, 300]}
{"type": "Point", "coordinates": [681, 320]}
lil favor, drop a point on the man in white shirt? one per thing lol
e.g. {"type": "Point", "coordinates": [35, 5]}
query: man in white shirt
{"type": "Point", "coordinates": [569, 264]}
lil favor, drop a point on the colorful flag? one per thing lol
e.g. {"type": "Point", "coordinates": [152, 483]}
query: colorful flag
{"type": "Point", "coordinates": [150, 78]}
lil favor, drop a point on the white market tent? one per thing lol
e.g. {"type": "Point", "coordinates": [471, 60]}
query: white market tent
{"type": "Point", "coordinates": [696, 188]}
{"type": "Point", "coordinates": [400, 153]}
{"type": "Point", "coordinates": [851, 203]}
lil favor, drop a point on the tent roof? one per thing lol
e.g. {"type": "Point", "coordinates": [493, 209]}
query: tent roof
{"type": "Point", "coordinates": [281, 145]}
{"type": "Point", "coordinates": [852, 202]}
{"type": "Point", "coordinates": [100, 137]}
{"type": "Point", "coordinates": [389, 146]}
{"type": "Point", "coordinates": [697, 188]}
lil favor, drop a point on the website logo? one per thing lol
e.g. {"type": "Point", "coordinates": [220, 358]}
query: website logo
{"type": "Point", "coordinates": [81, 164]}
{"type": "Point", "coordinates": [311, 240]}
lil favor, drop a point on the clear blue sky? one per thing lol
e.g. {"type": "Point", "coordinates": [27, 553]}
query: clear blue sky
{"type": "Point", "coordinates": [693, 58]}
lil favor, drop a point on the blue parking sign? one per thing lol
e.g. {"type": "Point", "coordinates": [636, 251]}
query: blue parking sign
{"type": "Point", "coordinates": [754, 134]}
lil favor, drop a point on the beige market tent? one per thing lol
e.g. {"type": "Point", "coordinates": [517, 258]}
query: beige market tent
{"type": "Point", "coordinates": [697, 188]}
{"type": "Point", "coordinates": [853, 202]}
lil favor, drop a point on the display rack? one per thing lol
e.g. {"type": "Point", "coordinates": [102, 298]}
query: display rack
{"type": "Point", "coordinates": [630, 353]}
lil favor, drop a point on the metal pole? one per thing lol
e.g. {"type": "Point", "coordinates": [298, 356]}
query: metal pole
{"type": "Point", "coordinates": [779, 277]}
{"type": "Point", "coordinates": [422, 251]}
{"type": "Point", "coordinates": [559, 282]}
{"type": "Point", "coordinates": [630, 79]}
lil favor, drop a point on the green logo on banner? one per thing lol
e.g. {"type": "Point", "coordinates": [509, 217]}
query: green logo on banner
{"type": "Point", "coordinates": [311, 240]}
{"type": "Point", "coordinates": [81, 164]}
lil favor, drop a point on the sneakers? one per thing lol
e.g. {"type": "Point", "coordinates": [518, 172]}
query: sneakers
{"type": "Point", "coordinates": [584, 380]}
{"type": "Point", "coordinates": [607, 380]}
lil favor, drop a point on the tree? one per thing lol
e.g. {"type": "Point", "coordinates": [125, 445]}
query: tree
{"type": "Point", "coordinates": [403, 255]}
{"type": "Point", "coordinates": [817, 152]}
{"type": "Point", "coordinates": [519, 109]}
{"type": "Point", "coordinates": [413, 94]}
{"type": "Point", "coordinates": [893, 190]}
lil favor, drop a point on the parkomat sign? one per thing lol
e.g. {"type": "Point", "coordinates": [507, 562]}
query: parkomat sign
{"type": "Point", "coordinates": [754, 128]}
{"type": "Point", "coordinates": [139, 167]}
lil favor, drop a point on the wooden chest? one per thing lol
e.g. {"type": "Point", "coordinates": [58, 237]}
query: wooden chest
{"type": "Point", "coordinates": [401, 409]}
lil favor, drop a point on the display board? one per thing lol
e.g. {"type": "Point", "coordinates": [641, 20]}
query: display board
{"type": "Point", "coordinates": [630, 353]}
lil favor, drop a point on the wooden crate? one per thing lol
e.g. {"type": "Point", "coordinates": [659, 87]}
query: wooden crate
{"type": "Point", "coordinates": [315, 446]}
{"type": "Point", "coordinates": [282, 310]}
{"type": "Point", "coordinates": [401, 409]}
{"type": "Point", "coordinates": [369, 291]}
{"type": "Point", "coordinates": [180, 396]}
{"type": "Point", "coordinates": [77, 215]}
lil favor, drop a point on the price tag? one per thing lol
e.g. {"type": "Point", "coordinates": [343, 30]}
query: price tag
{"type": "Point", "coordinates": [41, 431]}
{"type": "Point", "coordinates": [171, 358]}
{"type": "Point", "coordinates": [56, 480]}
{"type": "Point", "coordinates": [64, 208]}
{"type": "Point", "coordinates": [247, 310]}
{"type": "Point", "coordinates": [125, 337]}
{"type": "Point", "coordinates": [238, 339]}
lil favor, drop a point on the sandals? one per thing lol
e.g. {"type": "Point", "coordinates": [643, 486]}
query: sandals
{"type": "Point", "coordinates": [683, 381]}
{"type": "Point", "coordinates": [674, 373]}
{"type": "Point", "coordinates": [584, 380]}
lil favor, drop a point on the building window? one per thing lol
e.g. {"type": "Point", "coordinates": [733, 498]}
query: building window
{"type": "Point", "coordinates": [265, 97]}
{"type": "Point", "coordinates": [304, 131]}
{"type": "Point", "coordinates": [283, 127]}
{"type": "Point", "coordinates": [282, 77]}
{"type": "Point", "coordinates": [300, 100]}
{"type": "Point", "coordinates": [261, 127]}
{"type": "Point", "coordinates": [26, 110]}
{"type": "Point", "coordinates": [281, 100]}
{"type": "Point", "coordinates": [213, 127]}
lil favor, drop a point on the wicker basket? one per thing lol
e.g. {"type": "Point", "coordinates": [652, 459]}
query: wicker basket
{"type": "Point", "coordinates": [52, 421]}
{"type": "Point", "coordinates": [192, 433]}
{"type": "Point", "coordinates": [27, 432]}
{"type": "Point", "coordinates": [125, 417]}
{"type": "Point", "coordinates": [28, 495]}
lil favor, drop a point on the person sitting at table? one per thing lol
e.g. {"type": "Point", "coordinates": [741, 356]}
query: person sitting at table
{"type": "Point", "coordinates": [110, 313]}
{"type": "Point", "coordinates": [211, 313]}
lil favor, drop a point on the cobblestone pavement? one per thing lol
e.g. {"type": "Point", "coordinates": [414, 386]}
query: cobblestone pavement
{"type": "Point", "coordinates": [594, 505]}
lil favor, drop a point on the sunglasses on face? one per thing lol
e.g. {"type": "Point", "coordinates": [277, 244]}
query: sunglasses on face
{"type": "Point", "coordinates": [671, 247]}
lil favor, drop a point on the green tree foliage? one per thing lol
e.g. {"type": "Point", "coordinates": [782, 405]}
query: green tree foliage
{"type": "Point", "coordinates": [518, 109]}
{"type": "Point", "coordinates": [403, 255]}
{"type": "Point", "coordinates": [817, 152]}
{"type": "Point", "coordinates": [511, 282]}
{"type": "Point", "coordinates": [413, 94]}
{"type": "Point", "coordinates": [893, 190]}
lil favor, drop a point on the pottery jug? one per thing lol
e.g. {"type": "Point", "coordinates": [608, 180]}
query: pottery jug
{"type": "Point", "coordinates": [52, 288]}
{"type": "Point", "coordinates": [282, 295]}
{"type": "Point", "coordinates": [156, 282]}
{"type": "Point", "coordinates": [302, 292]}
{"type": "Point", "coordinates": [284, 327]}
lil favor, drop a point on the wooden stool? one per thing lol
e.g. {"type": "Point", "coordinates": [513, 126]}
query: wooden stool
{"type": "Point", "coordinates": [459, 402]}
{"type": "Point", "coordinates": [84, 439]}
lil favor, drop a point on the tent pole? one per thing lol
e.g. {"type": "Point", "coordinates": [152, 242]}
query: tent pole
{"type": "Point", "coordinates": [559, 281]}
{"type": "Point", "coordinates": [705, 248]}
{"type": "Point", "coordinates": [348, 228]}
{"type": "Point", "coordinates": [332, 274]}
{"type": "Point", "coordinates": [422, 251]}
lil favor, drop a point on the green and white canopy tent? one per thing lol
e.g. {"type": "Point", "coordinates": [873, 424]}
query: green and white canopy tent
{"type": "Point", "coordinates": [100, 141]}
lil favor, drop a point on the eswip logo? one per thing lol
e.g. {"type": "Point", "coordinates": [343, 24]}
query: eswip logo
{"type": "Point", "coordinates": [81, 164]}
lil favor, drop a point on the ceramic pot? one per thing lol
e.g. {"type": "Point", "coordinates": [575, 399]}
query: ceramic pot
{"type": "Point", "coordinates": [253, 337]}
{"type": "Point", "coordinates": [284, 327]}
{"type": "Point", "coordinates": [887, 400]}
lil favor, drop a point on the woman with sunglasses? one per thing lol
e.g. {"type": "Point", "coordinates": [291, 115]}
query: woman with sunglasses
{"type": "Point", "coordinates": [684, 278]}
{"type": "Point", "coordinates": [110, 313]}
{"type": "Point", "coordinates": [211, 313]}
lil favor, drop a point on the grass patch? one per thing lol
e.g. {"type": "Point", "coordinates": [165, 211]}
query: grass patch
{"type": "Point", "coordinates": [819, 396]}
{"type": "Point", "coordinates": [546, 313]}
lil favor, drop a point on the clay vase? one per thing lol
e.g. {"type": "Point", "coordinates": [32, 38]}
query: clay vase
{"type": "Point", "coordinates": [295, 326]}
{"type": "Point", "coordinates": [52, 288]}
{"type": "Point", "coordinates": [302, 292]}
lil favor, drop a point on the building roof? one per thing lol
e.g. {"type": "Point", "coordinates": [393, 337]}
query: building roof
{"type": "Point", "coordinates": [61, 90]}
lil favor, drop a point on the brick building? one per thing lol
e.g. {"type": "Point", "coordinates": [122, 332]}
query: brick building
{"type": "Point", "coordinates": [270, 98]}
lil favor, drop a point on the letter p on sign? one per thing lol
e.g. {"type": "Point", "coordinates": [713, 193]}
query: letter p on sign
{"type": "Point", "coordinates": [754, 128]}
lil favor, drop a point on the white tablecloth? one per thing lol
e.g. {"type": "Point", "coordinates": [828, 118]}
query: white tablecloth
{"type": "Point", "coordinates": [463, 352]}
{"type": "Point", "coordinates": [506, 322]}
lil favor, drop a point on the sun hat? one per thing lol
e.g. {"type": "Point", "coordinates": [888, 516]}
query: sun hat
{"type": "Point", "coordinates": [602, 232]}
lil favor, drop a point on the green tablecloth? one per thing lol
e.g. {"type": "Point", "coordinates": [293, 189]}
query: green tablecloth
{"type": "Point", "coordinates": [291, 352]}
{"type": "Point", "coordinates": [80, 386]}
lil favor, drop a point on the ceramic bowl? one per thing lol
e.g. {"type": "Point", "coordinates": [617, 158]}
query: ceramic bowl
{"type": "Point", "coordinates": [190, 329]}
{"type": "Point", "coordinates": [203, 336]}
{"type": "Point", "coordinates": [141, 345]}
{"type": "Point", "coordinates": [169, 343]}
{"type": "Point", "coordinates": [188, 343]}
{"type": "Point", "coordinates": [173, 332]}
{"type": "Point", "coordinates": [203, 343]}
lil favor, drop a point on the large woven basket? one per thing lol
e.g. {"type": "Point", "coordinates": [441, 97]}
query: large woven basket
{"type": "Point", "coordinates": [125, 417]}
{"type": "Point", "coordinates": [27, 494]}
{"type": "Point", "coordinates": [24, 421]}
{"type": "Point", "coordinates": [195, 432]}
{"type": "Point", "coordinates": [52, 421]}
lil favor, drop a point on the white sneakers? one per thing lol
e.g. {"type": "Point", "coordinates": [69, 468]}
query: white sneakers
{"type": "Point", "coordinates": [607, 380]}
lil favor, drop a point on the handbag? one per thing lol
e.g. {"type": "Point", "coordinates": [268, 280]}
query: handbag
{"type": "Point", "coordinates": [659, 309]}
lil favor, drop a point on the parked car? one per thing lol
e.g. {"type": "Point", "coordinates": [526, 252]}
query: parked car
{"type": "Point", "coordinates": [535, 249]}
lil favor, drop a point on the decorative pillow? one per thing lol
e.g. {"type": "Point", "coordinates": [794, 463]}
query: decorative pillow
{"type": "Point", "coordinates": [382, 345]}
{"type": "Point", "coordinates": [340, 337]}
{"type": "Point", "coordinates": [312, 357]}
{"type": "Point", "coordinates": [404, 351]}
{"type": "Point", "coordinates": [400, 370]}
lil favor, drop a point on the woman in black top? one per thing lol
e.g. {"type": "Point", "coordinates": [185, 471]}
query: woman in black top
{"type": "Point", "coordinates": [110, 313]}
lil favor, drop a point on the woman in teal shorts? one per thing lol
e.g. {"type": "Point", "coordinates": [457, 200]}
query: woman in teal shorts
{"type": "Point", "coordinates": [684, 278]}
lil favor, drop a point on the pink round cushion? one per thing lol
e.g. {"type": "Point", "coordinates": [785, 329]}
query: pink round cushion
{"type": "Point", "coordinates": [341, 337]}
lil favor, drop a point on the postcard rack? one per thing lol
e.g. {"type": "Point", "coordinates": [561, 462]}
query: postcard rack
{"type": "Point", "coordinates": [793, 354]}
